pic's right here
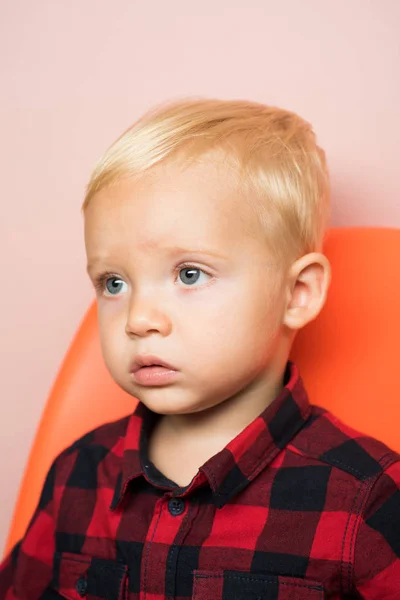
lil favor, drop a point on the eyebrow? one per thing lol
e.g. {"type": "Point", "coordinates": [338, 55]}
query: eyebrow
{"type": "Point", "coordinates": [172, 251]}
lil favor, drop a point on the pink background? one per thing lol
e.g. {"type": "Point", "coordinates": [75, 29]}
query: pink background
{"type": "Point", "coordinates": [75, 74]}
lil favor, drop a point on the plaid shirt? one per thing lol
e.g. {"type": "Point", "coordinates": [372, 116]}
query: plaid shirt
{"type": "Point", "coordinates": [298, 506]}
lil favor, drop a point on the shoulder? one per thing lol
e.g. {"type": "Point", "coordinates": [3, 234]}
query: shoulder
{"type": "Point", "coordinates": [329, 440]}
{"type": "Point", "coordinates": [105, 435]}
{"type": "Point", "coordinates": [104, 443]}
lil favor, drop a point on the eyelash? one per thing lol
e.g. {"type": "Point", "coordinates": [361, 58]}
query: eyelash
{"type": "Point", "coordinates": [100, 280]}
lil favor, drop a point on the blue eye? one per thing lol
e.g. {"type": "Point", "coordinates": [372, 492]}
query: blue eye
{"type": "Point", "coordinates": [113, 286]}
{"type": "Point", "coordinates": [190, 275]}
{"type": "Point", "coordinates": [108, 284]}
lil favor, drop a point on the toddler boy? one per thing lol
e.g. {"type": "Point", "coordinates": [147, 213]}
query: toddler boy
{"type": "Point", "coordinates": [204, 226]}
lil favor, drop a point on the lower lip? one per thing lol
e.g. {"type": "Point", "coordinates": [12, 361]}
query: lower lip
{"type": "Point", "coordinates": [154, 375]}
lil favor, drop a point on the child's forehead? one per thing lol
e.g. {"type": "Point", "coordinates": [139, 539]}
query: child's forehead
{"type": "Point", "coordinates": [170, 215]}
{"type": "Point", "coordinates": [198, 199]}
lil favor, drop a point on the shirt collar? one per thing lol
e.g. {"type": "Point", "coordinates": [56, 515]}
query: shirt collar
{"type": "Point", "coordinates": [233, 468]}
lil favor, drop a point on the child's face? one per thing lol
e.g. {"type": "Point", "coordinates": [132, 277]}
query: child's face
{"type": "Point", "coordinates": [218, 321]}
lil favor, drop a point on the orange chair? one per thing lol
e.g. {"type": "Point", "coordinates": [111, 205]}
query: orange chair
{"type": "Point", "coordinates": [348, 358]}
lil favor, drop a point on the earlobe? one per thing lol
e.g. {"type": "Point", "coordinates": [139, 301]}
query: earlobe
{"type": "Point", "coordinates": [308, 285]}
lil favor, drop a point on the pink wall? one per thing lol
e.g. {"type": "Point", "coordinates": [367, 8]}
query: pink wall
{"type": "Point", "coordinates": [75, 74]}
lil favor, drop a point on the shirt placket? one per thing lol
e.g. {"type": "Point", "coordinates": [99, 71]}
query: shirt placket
{"type": "Point", "coordinates": [160, 552]}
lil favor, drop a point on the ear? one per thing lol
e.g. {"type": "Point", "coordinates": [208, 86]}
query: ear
{"type": "Point", "coordinates": [308, 283]}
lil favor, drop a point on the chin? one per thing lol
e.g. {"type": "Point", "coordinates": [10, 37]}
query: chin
{"type": "Point", "coordinates": [173, 408]}
{"type": "Point", "coordinates": [169, 410]}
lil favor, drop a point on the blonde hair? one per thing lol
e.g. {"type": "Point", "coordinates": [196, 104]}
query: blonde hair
{"type": "Point", "coordinates": [279, 162]}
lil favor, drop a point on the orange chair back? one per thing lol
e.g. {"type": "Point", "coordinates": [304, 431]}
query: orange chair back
{"type": "Point", "coordinates": [347, 358]}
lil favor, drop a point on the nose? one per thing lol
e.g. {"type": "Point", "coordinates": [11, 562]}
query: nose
{"type": "Point", "coordinates": [144, 317]}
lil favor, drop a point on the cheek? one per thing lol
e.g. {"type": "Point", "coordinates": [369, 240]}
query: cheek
{"type": "Point", "coordinates": [244, 326]}
{"type": "Point", "coordinates": [245, 337]}
{"type": "Point", "coordinates": [248, 312]}
{"type": "Point", "coordinates": [109, 338]}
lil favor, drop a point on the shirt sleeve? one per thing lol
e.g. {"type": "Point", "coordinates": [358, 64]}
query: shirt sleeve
{"type": "Point", "coordinates": [377, 548]}
{"type": "Point", "coordinates": [29, 564]}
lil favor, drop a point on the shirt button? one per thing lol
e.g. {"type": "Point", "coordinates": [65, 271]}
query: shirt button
{"type": "Point", "coordinates": [176, 506]}
{"type": "Point", "coordinates": [81, 586]}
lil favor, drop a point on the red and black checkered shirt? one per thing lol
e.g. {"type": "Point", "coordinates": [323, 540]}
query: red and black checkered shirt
{"type": "Point", "coordinates": [298, 506]}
